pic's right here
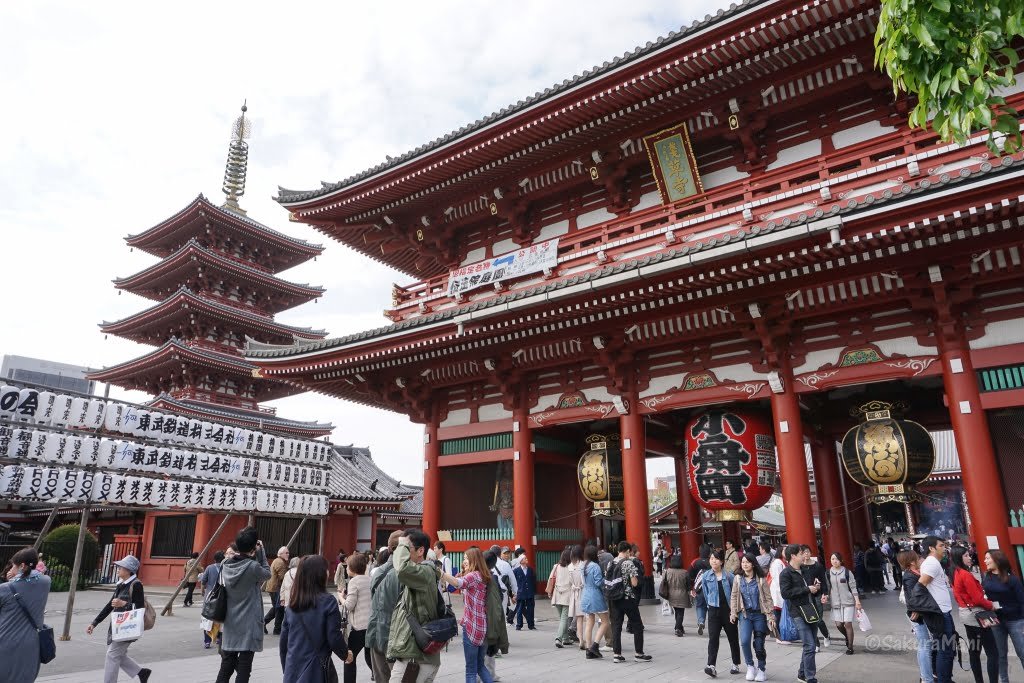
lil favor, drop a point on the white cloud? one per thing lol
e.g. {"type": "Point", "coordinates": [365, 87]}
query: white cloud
{"type": "Point", "coordinates": [116, 115]}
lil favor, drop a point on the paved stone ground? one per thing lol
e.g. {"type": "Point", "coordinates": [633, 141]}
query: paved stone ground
{"type": "Point", "coordinates": [174, 651]}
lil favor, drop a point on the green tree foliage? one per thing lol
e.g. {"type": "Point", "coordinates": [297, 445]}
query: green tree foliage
{"type": "Point", "coordinates": [60, 544]}
{"type": "Point", "coordinates": [954, 56]}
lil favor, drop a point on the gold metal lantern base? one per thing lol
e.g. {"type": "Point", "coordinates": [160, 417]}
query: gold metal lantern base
{"type": "Point", "coordinates": [893, 493]}
{"type": "Point", "coordinates": [731, 515]}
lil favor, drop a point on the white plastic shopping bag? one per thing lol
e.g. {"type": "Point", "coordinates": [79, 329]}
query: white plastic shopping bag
{"type": "Point", "coordinates": [127, 625]}
{"type": "Point", "coordinates": [863, 621]}
{"type": "Point", "coordinates": [206, 624]}
{"type": "Point", "coordinates": [666, 609]}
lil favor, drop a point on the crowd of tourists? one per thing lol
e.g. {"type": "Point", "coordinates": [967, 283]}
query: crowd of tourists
{"type": "Point", "coordinates": [392, 608]}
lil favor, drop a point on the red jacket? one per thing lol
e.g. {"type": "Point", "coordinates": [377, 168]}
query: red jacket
{"type": "Point", "coordinates": [967, 590]}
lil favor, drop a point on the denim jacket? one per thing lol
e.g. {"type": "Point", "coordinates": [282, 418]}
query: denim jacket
{"type": "Point", "coordinates": [709, 585]}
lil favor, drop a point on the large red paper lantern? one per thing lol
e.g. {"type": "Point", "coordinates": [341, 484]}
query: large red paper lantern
{"type": "Point", "coordinates": [730, 461]}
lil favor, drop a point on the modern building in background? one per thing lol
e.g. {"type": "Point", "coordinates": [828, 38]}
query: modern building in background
{"type": "Point", "coordinates": [48, 373]}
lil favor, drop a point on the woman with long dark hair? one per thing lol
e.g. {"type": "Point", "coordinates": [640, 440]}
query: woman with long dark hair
{"type": "Point", "coordinates": [593, 604]}
{"type": "Point", "coordinates": [674, 588]}
{"type": "Point", "coordinates": [312, 627]}
{"type": "Point", "coordinates": [26, 590]}
{"type": "Point", "coordinates": [473, 584]}
{"type": "Point", "coordinates": [575, 614]}
{"type": "Point", "coordinates": [558, 589]}
{"type": "Point", "coordinates": [1007, 593]}
{"type": "Point", "coordinates": [845, 596]}
{"type": "Point", "coordinates": [971, 599]}
{"type": "Point", "coordinates": [750, 606]}
{"type": "Point", "coordinates": [716, 587]}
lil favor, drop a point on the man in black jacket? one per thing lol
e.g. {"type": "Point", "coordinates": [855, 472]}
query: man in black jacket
{"type": "Point", "coordinates": [813, 570]}
{"type": "Point", "coordinates": [801, 596]}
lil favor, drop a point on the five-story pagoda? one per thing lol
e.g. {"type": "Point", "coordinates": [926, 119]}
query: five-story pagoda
{"type": "Point", "coordinates": [216, 287]}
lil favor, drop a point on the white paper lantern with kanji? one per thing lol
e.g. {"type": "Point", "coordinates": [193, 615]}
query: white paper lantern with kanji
{"type": "Point", "coordinates": [32, 482]}
{"type": "Point", "coordinates": [37, 447]}
{"type": "Point", "coordinates": [8, 400]}
{"type": "Point", "coordinates": [94, 413]}
{"type": "Point", "coordinates": [155, 426]}
{"type": "Point", "coordinates": [61, 410]}
{"type": "Point", "coordinates": [20, 443]}
{"type": "Point", "coordinates": [44, 413]}
{"type": "Point", "coordinates": [90, 450]}
{"type": "Point", "coordinates": [112, 417]}
{"type": "Point", "coordinates": [137, 422]}
{"type": "Point", "coordinates": [28, 405]}
{"type": "Point", "coordinates": [79, 409]}
{"type": "Point", "coordinates": [10, 480]}
{"type": "Point", "coordinates": [124, 454]}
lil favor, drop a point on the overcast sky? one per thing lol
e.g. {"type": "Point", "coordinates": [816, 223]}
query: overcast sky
{"type": "Point", "coordinates": [113, 119]}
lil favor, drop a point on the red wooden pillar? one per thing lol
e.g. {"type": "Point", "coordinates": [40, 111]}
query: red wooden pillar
{"type": "Point", "coordinates": [522, 482]}
{"type": "Point", "coordinates": [204, 528]}
{"type": "Point", "coordinates": [431, 480]}
{"type": "Point", "coordinates": [835, 532]}
{"type": "Point", "coordinates": [796, 488]}
{"type": "Point", "coordinates": [983, 486]}
{"type": "Point", "coordinates": [634, 482]}
{"type": "Point", "coordinates": [689, 514]}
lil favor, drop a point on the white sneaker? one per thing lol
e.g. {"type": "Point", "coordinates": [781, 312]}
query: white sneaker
{"type": "Point", "coordinates": [826, 642]}
{"type": "Point", "coordinates": [760, 675]}
{"type": "Point", "coordinates": [606, 648]}
{"type": "Point", "coordinates": [735, 669]}
{"type": "Point", "coordinates": [710, 670]}
{"type": "Point", "coordinates": [751, 672]}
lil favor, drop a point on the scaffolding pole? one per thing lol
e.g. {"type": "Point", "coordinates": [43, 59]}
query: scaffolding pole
{"type": "Point", "coordinates": [46, 527]}
{"type": "Point", "coordinates": [169, 607]}
{"type": "Point", "coordinates": [66, 635]}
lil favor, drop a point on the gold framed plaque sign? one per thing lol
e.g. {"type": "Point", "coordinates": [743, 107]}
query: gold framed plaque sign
{"type": "Point", "coordinates": [675, 169]}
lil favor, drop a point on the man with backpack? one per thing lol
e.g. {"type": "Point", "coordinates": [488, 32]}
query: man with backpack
{"type": "Point", "coordinates": [621, 587]}
{"type": "Point", "coordinates": [419, 602]}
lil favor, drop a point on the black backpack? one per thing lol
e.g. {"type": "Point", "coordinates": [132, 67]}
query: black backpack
{"type": "Point", "coordinates": [614, 583]}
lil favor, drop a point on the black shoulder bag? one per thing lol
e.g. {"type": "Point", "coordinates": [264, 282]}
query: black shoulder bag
{"type": "Point", "coordinates": [215, 607]}
{"type": "Point", "coordinates": [809, 612]}
{"type": "Point", "coordinates": [47, 646]}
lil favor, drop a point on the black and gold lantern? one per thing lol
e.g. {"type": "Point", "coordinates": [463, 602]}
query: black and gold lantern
{"type": "Point", "coordinates": [887, 454]}
{"type": "Point", "coordinates": [600, 473]}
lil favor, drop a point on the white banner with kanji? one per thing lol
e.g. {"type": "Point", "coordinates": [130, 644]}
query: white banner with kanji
{"type": "Point", "coordinates": [525, 261]}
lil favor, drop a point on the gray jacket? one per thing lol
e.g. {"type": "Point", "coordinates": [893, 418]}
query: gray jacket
{"type": "Point", "coordinates": [385, 592]}
{"type": "Point", "coordinates": [242, 576]}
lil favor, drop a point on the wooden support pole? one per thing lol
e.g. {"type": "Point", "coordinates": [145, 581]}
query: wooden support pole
{"type": "Point", "coordinates": [168, 608]}
{"type": "Point", "coordinates": [296, 534]}
{"type": "Point", "coordinates": [75, 569]}
{"type": "Point", "coordinates": [46, 527]}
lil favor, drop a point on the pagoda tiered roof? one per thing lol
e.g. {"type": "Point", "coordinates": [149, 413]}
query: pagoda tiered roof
{"type": "Point", "coordinates": [261, 418]}
{"type": "Point", "coordinates": [265, 246]}
{"type": "Point", "coordinates": [178, 312]}
{"type": "Point", "coordinates": [174, 365]}
{"type": "Point", "coordinates": [193, 263]}
{"type": "Point", "coordinates": [355, 477]}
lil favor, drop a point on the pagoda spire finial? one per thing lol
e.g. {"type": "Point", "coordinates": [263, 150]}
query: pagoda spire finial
{"type": "Point", "coordinates": [238, 161]}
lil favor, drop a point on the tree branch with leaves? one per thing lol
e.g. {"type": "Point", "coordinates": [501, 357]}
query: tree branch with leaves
{"type": "Point", "coordinates": [955, 57]}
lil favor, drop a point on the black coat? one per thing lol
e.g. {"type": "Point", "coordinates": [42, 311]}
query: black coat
{"type": "Point", "coordinates": [794, 588]}
{"type": "Point", "coordinates": [814, 571]}
{"type": "Point", "coordinates": [301, 654]}
{"type": "Point", "coordinates": [919, 600]}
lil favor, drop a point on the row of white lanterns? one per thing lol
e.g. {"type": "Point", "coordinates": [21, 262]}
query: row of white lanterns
{"type": "Point", "coordinates": [58, 484]}
{"type": "Point", "coordinates": [77, 412]}
{"type": "Point", "coordinates": [56, 448]}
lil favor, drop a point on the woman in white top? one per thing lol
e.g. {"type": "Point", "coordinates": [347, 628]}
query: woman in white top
{"type": "Point", "coordinates": [559, 589]}
{"type": "Point", "coordinates": [845, 598]}
{"type": "Point", "coordinates": [573, 613]}
{"type": "Point", "coordinates": [357, 604]}
{"type": "Point", "coordinates": [289, 579]}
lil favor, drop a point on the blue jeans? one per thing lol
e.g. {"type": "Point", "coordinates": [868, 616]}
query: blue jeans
{"type": "Point", "coordinates": [753, 628]}
{"type": "Point", "coordinates": [475, 660]}
{"type": "Point", "coordinates": [945, 650]}
{"type": "Point", "coordinates": [1014, 630]}
{"type": "Point", "coordinates": [702, 608]}
{"type": "Point", "coordinates": [924, 651]}
{"type": "Point", "coordinates": [808, 636]}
